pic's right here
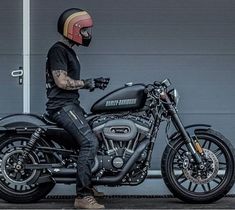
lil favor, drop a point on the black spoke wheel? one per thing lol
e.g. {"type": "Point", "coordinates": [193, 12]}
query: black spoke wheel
{"type": "Point", "coordinates": [191, 183]}
{"type": "Point", "coordinates": [17, 184]}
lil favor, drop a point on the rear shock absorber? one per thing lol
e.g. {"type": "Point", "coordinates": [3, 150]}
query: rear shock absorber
{"type": "Point", "coordinates": [34, 137]}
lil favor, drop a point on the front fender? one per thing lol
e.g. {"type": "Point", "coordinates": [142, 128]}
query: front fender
{"type": "Point", "coordinates": [190, 130]}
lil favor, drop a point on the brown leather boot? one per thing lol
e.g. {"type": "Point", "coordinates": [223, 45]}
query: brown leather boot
{"type": "Point", "coordinates": [97, 193]}
{"type": "Point", "coordinates": [87, 202]}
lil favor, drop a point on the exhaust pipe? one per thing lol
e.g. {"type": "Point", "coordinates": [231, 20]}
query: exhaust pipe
{"type": "Point", "coordinates": [68, 176]}
{"type": "Point", "coordinates": [109, 180]}
{"type": "Point", "coordinates": [71, 172]}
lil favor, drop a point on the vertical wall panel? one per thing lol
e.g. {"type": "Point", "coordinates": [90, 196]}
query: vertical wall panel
{"type": "Point", "coordinates": [11, 36]}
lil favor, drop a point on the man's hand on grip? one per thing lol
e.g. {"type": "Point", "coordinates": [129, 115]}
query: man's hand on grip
{"type": "Point", "coordinates": [101, 82]}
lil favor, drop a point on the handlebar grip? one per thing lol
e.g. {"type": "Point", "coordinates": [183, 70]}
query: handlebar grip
{"type": "Point", "coordinates": [156, 83]}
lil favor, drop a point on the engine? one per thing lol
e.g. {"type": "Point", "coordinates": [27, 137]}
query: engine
{"type": "Point", "coordinates": [119, 138]}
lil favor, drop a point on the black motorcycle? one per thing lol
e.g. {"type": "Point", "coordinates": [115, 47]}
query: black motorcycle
{"type": "Point", "coordinates": [197, 164]}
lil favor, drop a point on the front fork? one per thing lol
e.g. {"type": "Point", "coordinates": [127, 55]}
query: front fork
{"type": "Point", "coordinates": [194, 148]}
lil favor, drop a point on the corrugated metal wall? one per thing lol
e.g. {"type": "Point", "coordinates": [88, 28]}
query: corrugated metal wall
{"type": "Point", "coordinates": [189, 41]}
{"type": "Point", "coordinates": [192, 42]}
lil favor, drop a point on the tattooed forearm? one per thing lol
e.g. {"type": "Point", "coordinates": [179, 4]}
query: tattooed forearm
{"type": "Point", "coordinates": [63, 81]}
{"type": "Point", "coordinates": [73, 84]}
{"type": "Point", "coordinates": [58, 73]}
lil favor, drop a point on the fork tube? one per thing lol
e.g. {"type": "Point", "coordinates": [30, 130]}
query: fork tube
{"type": "Point", "coordinates": [179, 126]}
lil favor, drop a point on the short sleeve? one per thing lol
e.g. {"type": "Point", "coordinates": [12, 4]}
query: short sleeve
{"type": "Point", "coordinates": [57, 59]}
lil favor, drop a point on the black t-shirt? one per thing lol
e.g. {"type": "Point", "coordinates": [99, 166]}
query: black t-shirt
{"type": "Point", "coordinates": [61, 57]}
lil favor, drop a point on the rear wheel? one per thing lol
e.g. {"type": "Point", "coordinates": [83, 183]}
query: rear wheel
{"type": "Point", "coordinates": [190, 183]}
{"type": "Point", "coordinates": [17, 184]}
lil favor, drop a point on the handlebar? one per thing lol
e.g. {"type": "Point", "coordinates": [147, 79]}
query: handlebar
{"type": "Point", "coordinates": [156, 84]}
{"type": "Point", "coordinates": [165, 82]}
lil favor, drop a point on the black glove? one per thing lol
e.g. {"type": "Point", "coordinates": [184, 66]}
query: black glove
{"type": "Point", "coordinates": [101, 82]}
{"type": "Point", "coordinates": [89, 84]}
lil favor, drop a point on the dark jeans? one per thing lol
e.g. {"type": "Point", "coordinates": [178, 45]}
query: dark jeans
{"type": "Point", "coordinates": [71, 118]}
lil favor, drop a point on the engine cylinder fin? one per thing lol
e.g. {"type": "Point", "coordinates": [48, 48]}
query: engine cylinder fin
{"type": "Point", "coordinates": [135, 142]}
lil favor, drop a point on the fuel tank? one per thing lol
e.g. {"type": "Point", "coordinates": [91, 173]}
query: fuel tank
{"type": "Point", "coordinates": [125, 98]}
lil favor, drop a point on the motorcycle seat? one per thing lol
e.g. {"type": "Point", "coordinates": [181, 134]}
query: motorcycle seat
{"type": "Point", "coordinates": [46, 117]}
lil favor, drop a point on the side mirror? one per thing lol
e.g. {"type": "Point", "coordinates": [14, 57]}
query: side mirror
{"type": "Point", "coordinates": [166, 82]}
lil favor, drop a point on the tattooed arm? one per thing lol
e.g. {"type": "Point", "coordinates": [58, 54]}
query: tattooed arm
{"type": "Point", "coordinates": [63, 81]}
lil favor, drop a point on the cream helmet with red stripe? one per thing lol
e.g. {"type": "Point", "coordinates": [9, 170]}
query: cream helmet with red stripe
{"type": "Point", "coordinates": [75, 24]}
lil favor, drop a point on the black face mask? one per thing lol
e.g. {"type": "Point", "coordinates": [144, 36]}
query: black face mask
{"type": "Point", "coordinates": [86, 41]}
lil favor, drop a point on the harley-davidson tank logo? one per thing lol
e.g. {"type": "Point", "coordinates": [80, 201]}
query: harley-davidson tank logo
{"type": "Point", "coordinates": [121, 102]}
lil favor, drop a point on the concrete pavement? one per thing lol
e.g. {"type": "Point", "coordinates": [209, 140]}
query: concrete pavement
{"type": "Point", "coordinates": [126, 203]}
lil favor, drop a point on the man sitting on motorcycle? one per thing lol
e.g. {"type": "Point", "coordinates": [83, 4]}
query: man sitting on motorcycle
{"type": "Point", "coordinates": [63, 106]}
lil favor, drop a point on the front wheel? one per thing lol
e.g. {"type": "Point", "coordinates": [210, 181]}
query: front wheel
{"type": "Point", "coordinates": [187, 181]}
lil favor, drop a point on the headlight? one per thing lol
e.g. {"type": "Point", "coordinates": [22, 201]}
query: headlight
{"type": "Point", "coordinates": [174, 96]}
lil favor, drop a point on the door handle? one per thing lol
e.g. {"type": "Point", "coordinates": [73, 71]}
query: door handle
{"type": "Point", "coordinates": [18, 73]}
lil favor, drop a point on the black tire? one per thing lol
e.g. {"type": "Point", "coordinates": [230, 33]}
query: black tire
{"type": "Point", "coordinates": [19, 193]}
{"type": "Point", "coordinates": [182, 184]}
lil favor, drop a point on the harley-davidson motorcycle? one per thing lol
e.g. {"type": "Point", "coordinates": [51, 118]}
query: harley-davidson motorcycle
{"type": "Point", "coordinates": [197, 164]}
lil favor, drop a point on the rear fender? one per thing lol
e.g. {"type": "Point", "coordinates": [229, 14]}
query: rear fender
{"type": "Point", "coordinates": [26, 124]}
{"type": "Point", "coordinates": [20, 123]}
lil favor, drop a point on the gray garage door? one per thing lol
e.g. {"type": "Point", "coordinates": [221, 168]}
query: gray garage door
{"type": "Point", "coordinates": [11, 33]}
